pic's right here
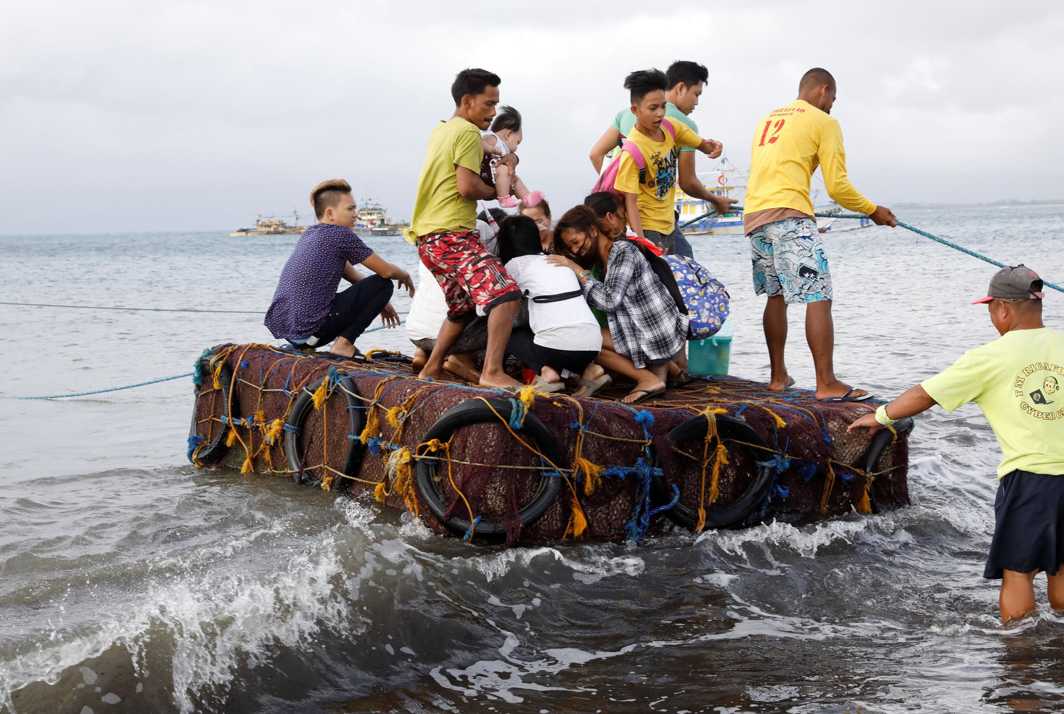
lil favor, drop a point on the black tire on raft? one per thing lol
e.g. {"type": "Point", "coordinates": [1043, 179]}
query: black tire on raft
{"type": "Point", "coordinates": [215, 451]}
{"type": "Point", "coordinates": [724, 515]}
{"type": "Point", "coordinates": [475, 411]}
{"type": "Point", "coordinates": [297, 415]}
{"type": "Point", "coordinates": [882, 439]}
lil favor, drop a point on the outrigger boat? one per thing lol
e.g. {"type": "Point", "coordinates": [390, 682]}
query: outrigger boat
{"type": "Point", "coordinates": [521, 468]}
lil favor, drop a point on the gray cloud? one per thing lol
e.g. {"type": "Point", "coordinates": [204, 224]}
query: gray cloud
{"type": "Point", "coordinates": [139, 116]}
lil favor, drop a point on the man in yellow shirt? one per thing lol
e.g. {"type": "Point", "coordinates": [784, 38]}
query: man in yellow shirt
{"type": "Point", "coordinates": [444, 226]}
{"type": "Point", "coordinates": [650, 192]}
{"type": "Point", "coordinates": [789, 263]}
{"type": "Point", "coordinates": [1018, 382]}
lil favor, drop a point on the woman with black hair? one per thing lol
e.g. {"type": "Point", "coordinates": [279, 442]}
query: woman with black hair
{"type": "Point", "coordinates": [563, 337]}
{"type": "Point", "coordinates": [646, 322]}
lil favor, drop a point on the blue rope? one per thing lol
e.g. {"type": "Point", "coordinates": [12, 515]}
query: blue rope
{"type": "Point", "coordinates": [517, 414]}
{"type": "Point", "coordinates": [106, 391]}
{"type": "Point", "coordinates": [469, 531]}
{"type": "Point", "coordinates": [193, 441]}
{"type": "Point", "coordinates": [914, 229]}
{"type": "Point", "coordinates": [943, 241]}
{"type": "Point", "coordinates": [645, 472]}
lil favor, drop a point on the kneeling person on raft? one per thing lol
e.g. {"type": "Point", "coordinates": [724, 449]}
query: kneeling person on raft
{"type": "Point", "coordinates": [1016, 380]}
{"type": "Point", "coordinates": [306, 309]}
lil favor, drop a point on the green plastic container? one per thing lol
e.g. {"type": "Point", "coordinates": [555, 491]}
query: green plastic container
{"type": "Point", "coordinates": [710, 357]}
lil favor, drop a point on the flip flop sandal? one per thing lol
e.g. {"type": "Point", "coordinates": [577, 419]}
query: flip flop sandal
{"type": "Point", "coordinates": [644, 394]}
{"type": "Point", "coordinates": [541, 385]}
{"type": "Point", "coordinates": [680, 380]}
{"type": "Point", "coordinates": [589, 386]}
{"type": "Point", "coordinates": [848, 397]}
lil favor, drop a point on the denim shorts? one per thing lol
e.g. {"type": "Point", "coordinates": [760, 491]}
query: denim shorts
{"type": "Point", "coordinates": [788, 259]}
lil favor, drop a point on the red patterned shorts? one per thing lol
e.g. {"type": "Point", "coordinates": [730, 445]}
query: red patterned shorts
{"type": "Point", "coordinates": [471, 277]}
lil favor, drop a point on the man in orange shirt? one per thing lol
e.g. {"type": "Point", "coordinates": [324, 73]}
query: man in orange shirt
{"type": "Point", "coordinates": [789, 263]}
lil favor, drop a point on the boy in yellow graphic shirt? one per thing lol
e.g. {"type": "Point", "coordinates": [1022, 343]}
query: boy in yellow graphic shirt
{"type": "Point", "coordinates": [1018, 382]}
{"type": "Point", "coordinates": [788, 259]}
{"type": "Point", "coordinates": [649, 193]}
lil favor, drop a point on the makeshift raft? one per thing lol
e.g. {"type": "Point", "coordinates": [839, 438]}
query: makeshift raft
{"type": "Point", "coordinates": [488, 465]}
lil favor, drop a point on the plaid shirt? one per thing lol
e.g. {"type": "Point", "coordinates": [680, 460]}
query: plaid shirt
{"type": "Point", "coordinates": [644, 321]}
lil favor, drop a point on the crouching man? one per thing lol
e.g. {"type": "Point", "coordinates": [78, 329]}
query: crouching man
{"type": "Point", "coordinates": [306, 309]}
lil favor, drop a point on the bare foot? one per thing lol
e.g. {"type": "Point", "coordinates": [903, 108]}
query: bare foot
{"type": "Point", "coordinates": [499, 379]}
{"type": "Point", "coordinates": [343, 347]}
{"type": "Point", "coordinates": [427, 373]}
{"type": "Point", "coordinates": [548, 374]}
{"type": "Point", "coordinates": [462, 367]}
{"type": "Point", "coordinates": [593, 371]}
{"type": "Point", "coordinates": [420, 358]}
{"type": "Point", "coordinates": [779, 386]}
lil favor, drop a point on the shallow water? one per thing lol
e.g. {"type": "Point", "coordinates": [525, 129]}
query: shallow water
{"type": "Point", "coordinates": [129, 581]}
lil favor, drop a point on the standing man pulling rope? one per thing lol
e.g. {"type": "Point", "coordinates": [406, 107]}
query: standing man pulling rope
{"type": "Point", "coordinates": [788, 259]}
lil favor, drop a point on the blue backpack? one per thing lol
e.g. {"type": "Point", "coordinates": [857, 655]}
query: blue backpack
{"type": "Point", "coordinates": [706, 299]}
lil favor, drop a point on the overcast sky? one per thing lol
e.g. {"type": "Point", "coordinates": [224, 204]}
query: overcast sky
{"type": "Point", "coordinates": [129, 116]}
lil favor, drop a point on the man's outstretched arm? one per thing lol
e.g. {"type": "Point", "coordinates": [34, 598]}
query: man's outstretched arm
{"type": "Point", "coordinates": [912, 402]}
{"type": "Point", "coordinates": [832, 158]}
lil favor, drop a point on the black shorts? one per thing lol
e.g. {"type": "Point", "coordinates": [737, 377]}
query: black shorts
{"type": "Point", "coordinates": [1029, 525]}
{"type": "Point", "coordinates": [474, 338]}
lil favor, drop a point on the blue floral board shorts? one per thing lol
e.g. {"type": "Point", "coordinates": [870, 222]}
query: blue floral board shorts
{"type": "Point", "coordinates": [788, 259]}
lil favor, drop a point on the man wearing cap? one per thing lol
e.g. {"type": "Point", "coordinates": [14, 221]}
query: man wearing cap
{"type": "Point", "coordinates": [1016, 381]}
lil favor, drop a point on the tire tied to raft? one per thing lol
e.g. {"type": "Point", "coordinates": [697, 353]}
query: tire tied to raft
{"type": "Point", "coordinates": [485, 411]}
{"type": "Point", "coordinates": [882, 439]}
{"type": "Point", "coordinates": [202, 452]}
{"type": "Point", "coordinates": [303, 405]}
{"type": "Point", "coordinates": [728, 428]}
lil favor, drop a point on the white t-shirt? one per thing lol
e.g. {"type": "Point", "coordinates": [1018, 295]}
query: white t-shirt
{"type": "Point", "coordinates": [428, 307]}
{"type": "Point", "coordinates": [562, 325]}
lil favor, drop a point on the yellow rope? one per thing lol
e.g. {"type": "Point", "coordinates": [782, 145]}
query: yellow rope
{"type": "Point", "coordinates": [720, 456]}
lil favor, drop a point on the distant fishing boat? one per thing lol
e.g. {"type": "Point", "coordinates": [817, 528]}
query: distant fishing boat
{"type": "Point", "coordinates": [730, 182]}
{"type": "Point", "coordinates": [727, 181]}
{"type": "Point", "coordinates": [373, 220]}
{"type": "Point", "coordinates": [271, 226]}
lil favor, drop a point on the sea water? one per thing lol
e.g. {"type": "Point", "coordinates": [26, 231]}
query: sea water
{"type": "Point", "coordinates": [130, 581]}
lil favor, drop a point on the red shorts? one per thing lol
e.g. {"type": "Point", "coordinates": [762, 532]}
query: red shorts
{"type": "Point", "coordinates": [471, 277]}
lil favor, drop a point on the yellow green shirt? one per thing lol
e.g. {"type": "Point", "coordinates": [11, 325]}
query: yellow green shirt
{"type": "Point", "coordinates": [1018, 382]}
{"type": "Point", "coordinates": [438, 205]}
{"type": "Point", "coordinates": [655, 188]}
{"type": "Point", "coordinates": [788, 146]}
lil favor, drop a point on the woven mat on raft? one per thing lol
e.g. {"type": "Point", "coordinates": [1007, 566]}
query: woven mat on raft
{"type": "Point", "coordinates": [801, 433]}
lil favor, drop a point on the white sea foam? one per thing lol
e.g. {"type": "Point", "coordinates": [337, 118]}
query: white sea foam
{"type": "Point", "coordinates": [805, 541]}
{"type": "Point", "coordinates": [590, 567]}
{"type": "Point", "coordinates": [215, 621]}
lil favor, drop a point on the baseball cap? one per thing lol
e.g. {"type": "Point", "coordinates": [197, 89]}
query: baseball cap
{"type": "Point", "coordinates": [1017, 282]}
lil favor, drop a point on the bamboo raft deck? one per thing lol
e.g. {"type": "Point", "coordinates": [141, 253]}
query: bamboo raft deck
{"type": "Point", "coordinates": [492, 466]}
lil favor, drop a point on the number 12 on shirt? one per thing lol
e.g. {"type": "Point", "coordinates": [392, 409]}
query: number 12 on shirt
{"type": "Point", "coordinates": [775, 126]}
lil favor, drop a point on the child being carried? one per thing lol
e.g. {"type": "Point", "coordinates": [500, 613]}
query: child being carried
{"type": "Point", "coordinates": [497, 169]}
{"type": "Point", "coordinates": [564, 336]}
